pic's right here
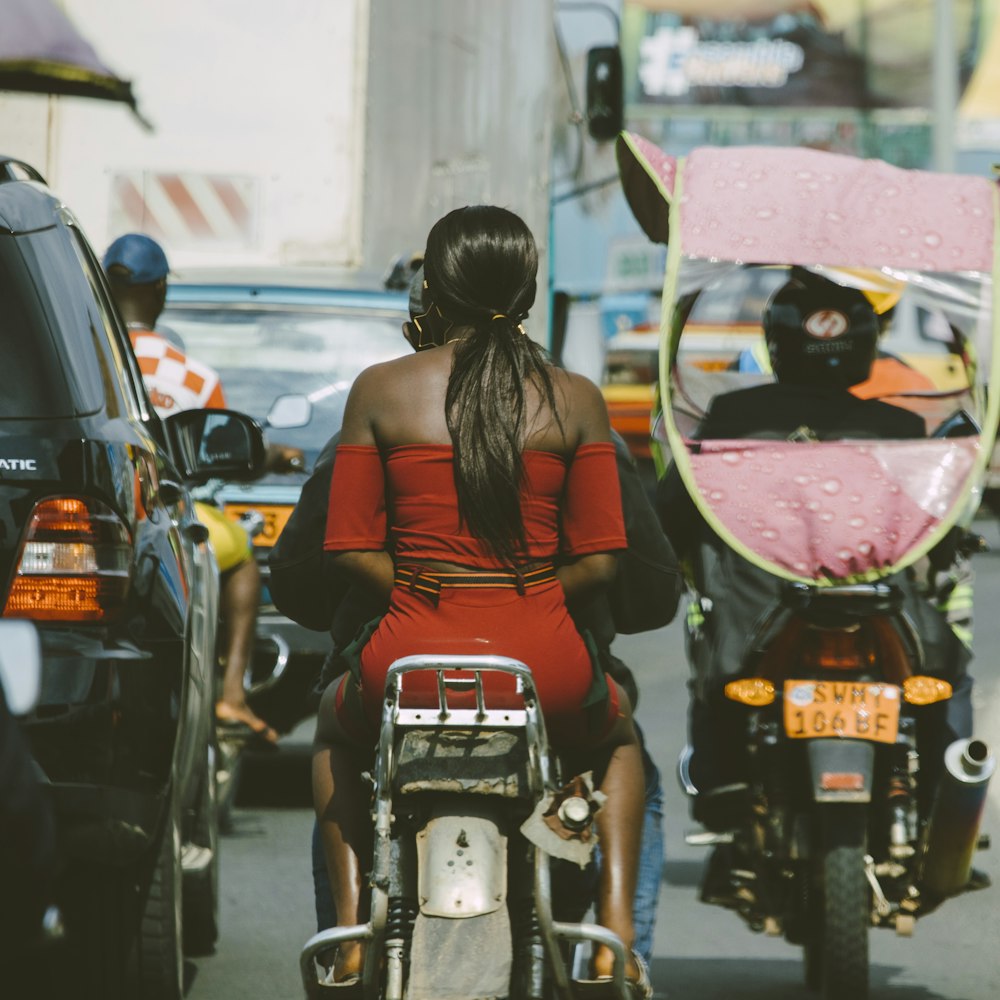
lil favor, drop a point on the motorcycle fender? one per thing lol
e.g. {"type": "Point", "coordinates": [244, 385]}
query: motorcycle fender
{"type": "Point", "coordinates": [841, 770]}
{"type": "Point", "coordinates": [461, 866]}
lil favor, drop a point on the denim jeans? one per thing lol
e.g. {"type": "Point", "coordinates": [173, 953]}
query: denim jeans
{"type": "Point", "coordinates": [647, 889]}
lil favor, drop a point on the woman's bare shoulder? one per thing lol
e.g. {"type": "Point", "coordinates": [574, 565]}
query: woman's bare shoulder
{"type": "Point", "coordinates": [390, 377]}
{"type": "Point", "coordinates": [578, 391]}
{"type": "Point", "coordinates": [582, 415]}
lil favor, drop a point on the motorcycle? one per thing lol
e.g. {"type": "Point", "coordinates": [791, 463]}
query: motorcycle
{"type": "Point", "coordinates": [837, 828]}
{"type": "Point", "coordinates": [858, 808]}
{"type": "Point", "coordinates": [468, 816]}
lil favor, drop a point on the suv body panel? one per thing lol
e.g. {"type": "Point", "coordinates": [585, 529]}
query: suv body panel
{"type": "Point", "coordinates": [125, 714]}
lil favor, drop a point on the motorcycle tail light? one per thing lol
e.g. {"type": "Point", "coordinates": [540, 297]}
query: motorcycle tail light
{"type": "Point", "coordinates": [839, 649]}
{"type": "Point", "coordinates": [755, 691]}
{"type": "Point", "coordinates": [920, 690]}
{"type": "Point", "coordinates": [74, 566]}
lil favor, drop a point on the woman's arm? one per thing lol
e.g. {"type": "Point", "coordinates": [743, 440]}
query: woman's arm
{"type": "Point", "coordinates": [585, 576]}
{"type": "Point", "coordinates": [592, 524]}
{"type": "Point", "coordinates": [374, 571]}
{"type": "Point", "coordinates": [357, 498]}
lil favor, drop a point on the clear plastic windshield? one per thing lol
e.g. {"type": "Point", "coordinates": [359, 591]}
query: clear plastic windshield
{"type": "Point", "coordinates": [829, 482]}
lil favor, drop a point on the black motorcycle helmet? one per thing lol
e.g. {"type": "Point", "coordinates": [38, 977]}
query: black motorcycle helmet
{"type": "Point", "coordinates": [819, 332]}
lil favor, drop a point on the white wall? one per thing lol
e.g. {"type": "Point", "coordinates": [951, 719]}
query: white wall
{"type": "Point", "coordinates": [257, 91]}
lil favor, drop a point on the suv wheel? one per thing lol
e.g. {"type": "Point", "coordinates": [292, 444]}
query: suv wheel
{"type": "Point", "coordinates": [159, 952]}
{"type": "Point", "coordinates": [201, 867]}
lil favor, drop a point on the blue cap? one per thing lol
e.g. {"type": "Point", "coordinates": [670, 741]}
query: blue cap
{"type": "Point", "coordinates": [141, 256]}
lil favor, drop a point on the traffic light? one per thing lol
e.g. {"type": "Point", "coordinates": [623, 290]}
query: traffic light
{"type": "Point", "coordinates": [605, 111]}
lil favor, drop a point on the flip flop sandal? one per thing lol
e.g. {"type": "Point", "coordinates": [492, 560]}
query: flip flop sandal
{"type": "Point", "coordinates": [257, 733]}
{"type": "Point", "coordinates": [602, 987]}
{"type": "Point", "coordinates": [346, 989]}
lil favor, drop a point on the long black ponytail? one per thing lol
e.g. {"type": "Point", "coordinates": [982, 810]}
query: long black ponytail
{"type": "Point", "coordinates": [481, 265]}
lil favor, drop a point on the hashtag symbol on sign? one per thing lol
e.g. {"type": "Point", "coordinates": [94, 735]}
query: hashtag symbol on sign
{"type": "Point", "coordinates": [661, 61]}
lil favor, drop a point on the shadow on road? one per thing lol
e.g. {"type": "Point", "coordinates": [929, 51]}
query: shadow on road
{"type": "Point", "coordinates": [684, 873]}
{"type": "Point", "coordinates": [277, 780]}
{"type": "Point", "coordinates": [764, 979]}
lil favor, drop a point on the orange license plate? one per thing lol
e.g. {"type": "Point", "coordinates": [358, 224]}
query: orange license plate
{"type": "Point", "coordinates": [858, 710]}
{"type": "Point", "coordinates": [275, 518]}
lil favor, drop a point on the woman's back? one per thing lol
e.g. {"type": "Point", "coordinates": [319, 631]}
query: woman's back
{"type": "Point", "coordinates": [404, 402]}
{"type": "Point", "coordinates": [477, 381]}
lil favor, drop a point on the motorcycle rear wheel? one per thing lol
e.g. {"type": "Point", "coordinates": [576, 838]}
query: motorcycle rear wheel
{"type": "Point", "coordinates": [843, 951]}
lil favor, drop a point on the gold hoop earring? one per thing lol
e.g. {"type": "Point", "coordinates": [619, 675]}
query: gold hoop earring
{"type": "Point", "coordinates": [432, 340]}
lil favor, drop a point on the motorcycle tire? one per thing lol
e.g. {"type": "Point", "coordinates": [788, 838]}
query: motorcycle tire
{"type": "Point", "coordinates": [843, 956]}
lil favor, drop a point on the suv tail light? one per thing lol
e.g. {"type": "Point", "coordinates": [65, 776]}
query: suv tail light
{"type": "Point", "coordinates": [74, 565]}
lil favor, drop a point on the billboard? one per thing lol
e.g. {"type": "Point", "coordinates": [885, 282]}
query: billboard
{"type": "Point", "coordinates": [861, 54]}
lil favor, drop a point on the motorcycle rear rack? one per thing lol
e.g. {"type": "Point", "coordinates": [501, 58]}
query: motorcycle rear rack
{"type": "Point", "coordinates": [540, 774]}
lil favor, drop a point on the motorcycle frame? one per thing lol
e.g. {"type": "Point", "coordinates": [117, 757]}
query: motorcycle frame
{"type": "Point", "coordinates": [542, 778]}
{"type": "Point", "coordinates": [765, 725]}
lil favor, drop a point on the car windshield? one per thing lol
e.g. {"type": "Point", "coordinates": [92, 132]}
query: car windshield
{"type": "Point", "coordinates": [267, 352]}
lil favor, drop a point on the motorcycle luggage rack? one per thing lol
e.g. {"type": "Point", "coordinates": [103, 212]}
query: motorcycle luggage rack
{"type": "Point", "coordinates": [445, 714]}
{"type": "Point", "coordinates": [540, 773]}
{"type": "Point", "coordinates": [861, 599]}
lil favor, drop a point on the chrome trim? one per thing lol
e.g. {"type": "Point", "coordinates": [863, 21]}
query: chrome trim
{"type": "Point", "coordinates": [688, 787]}
{"type": "Point", "coordinates": [282, 654]}
{"type": "Point", "coordinates": [324, 939]}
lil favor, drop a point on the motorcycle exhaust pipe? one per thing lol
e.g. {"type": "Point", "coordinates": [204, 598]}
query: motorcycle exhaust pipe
{"type": "Point", "coordinates": [953, 829]}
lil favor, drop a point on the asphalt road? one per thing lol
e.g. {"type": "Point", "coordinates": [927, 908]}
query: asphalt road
{"type": "Point", "coordinates": [701, 952]}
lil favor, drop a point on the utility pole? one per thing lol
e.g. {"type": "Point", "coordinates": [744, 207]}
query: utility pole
{"type": "Point", "coordinates": [944, 79]}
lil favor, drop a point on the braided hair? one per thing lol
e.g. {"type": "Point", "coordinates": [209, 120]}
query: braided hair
{"type": "Point", "coordinates": [480, 265]}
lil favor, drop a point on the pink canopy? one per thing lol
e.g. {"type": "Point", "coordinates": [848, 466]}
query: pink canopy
{"type": "Point", "coordinates": [804, 206]}
{"type": "Point", "coordinates": [832, 510]}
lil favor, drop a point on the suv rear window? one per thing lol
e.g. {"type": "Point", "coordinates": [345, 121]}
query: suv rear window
{"type": "Point", "coordinates": [32, 383]}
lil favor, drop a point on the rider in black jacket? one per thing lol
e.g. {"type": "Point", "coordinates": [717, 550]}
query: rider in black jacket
{"type": "Point", "coordinates": [822, 339]}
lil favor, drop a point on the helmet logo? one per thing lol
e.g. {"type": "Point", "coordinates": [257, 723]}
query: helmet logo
{"type": "Point", "coordinates": [826, 324]}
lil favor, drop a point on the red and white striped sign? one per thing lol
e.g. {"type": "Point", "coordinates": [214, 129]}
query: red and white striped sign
{"type": "Point", "coordinates": [186, 209]}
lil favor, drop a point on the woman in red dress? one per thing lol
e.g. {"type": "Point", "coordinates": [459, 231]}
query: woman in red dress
{"type": "Point", "coordinates": [475, 460]}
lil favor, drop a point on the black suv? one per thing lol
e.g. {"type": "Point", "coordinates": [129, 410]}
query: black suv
{"type": "Point", "coordinates": [99, 546]}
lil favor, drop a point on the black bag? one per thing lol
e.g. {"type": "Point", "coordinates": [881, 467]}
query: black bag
{"type": "Point", "coordinates": [648, 583]}
{"type": "Point", "coordinates": [299, 586]}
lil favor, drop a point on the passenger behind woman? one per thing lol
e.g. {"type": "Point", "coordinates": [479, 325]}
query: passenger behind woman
{"type": "Point", "coordinates": [483, 459]}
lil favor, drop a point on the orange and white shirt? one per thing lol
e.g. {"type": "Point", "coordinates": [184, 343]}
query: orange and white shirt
{"type": "Point", "coordinates": [173, 380]}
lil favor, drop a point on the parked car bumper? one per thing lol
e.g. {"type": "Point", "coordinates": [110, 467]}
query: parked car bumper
{"type": "Point", "coordinates": [103, 737]}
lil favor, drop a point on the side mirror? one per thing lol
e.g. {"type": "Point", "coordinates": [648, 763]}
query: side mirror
{"type": "Point", "coordinates": [292, 410]}
{"type": "Point", "coordinates": [20, 665]}
{"type": "Point", "coordinates": [605, 96]}
{"type": "Point", "coordinates": [216, 444]}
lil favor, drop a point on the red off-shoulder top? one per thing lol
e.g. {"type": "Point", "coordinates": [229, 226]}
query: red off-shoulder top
{"type": "Point", "coordinates": [406, 501]}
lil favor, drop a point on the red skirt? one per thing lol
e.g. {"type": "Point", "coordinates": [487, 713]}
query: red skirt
{"type": "Point", "coordinates": [533, 627]}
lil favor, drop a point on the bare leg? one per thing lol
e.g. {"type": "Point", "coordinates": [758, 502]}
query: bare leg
{"type": "Point", "coordinates": [239, 599]}
{"type": "Point", "coordinates": [619, 828]}
{"type": "Point", "coordinates": [339, 799]}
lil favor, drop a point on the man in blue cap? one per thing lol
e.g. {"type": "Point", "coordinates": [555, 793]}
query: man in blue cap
{"type": "Point", "coordinates": [137, 270]}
